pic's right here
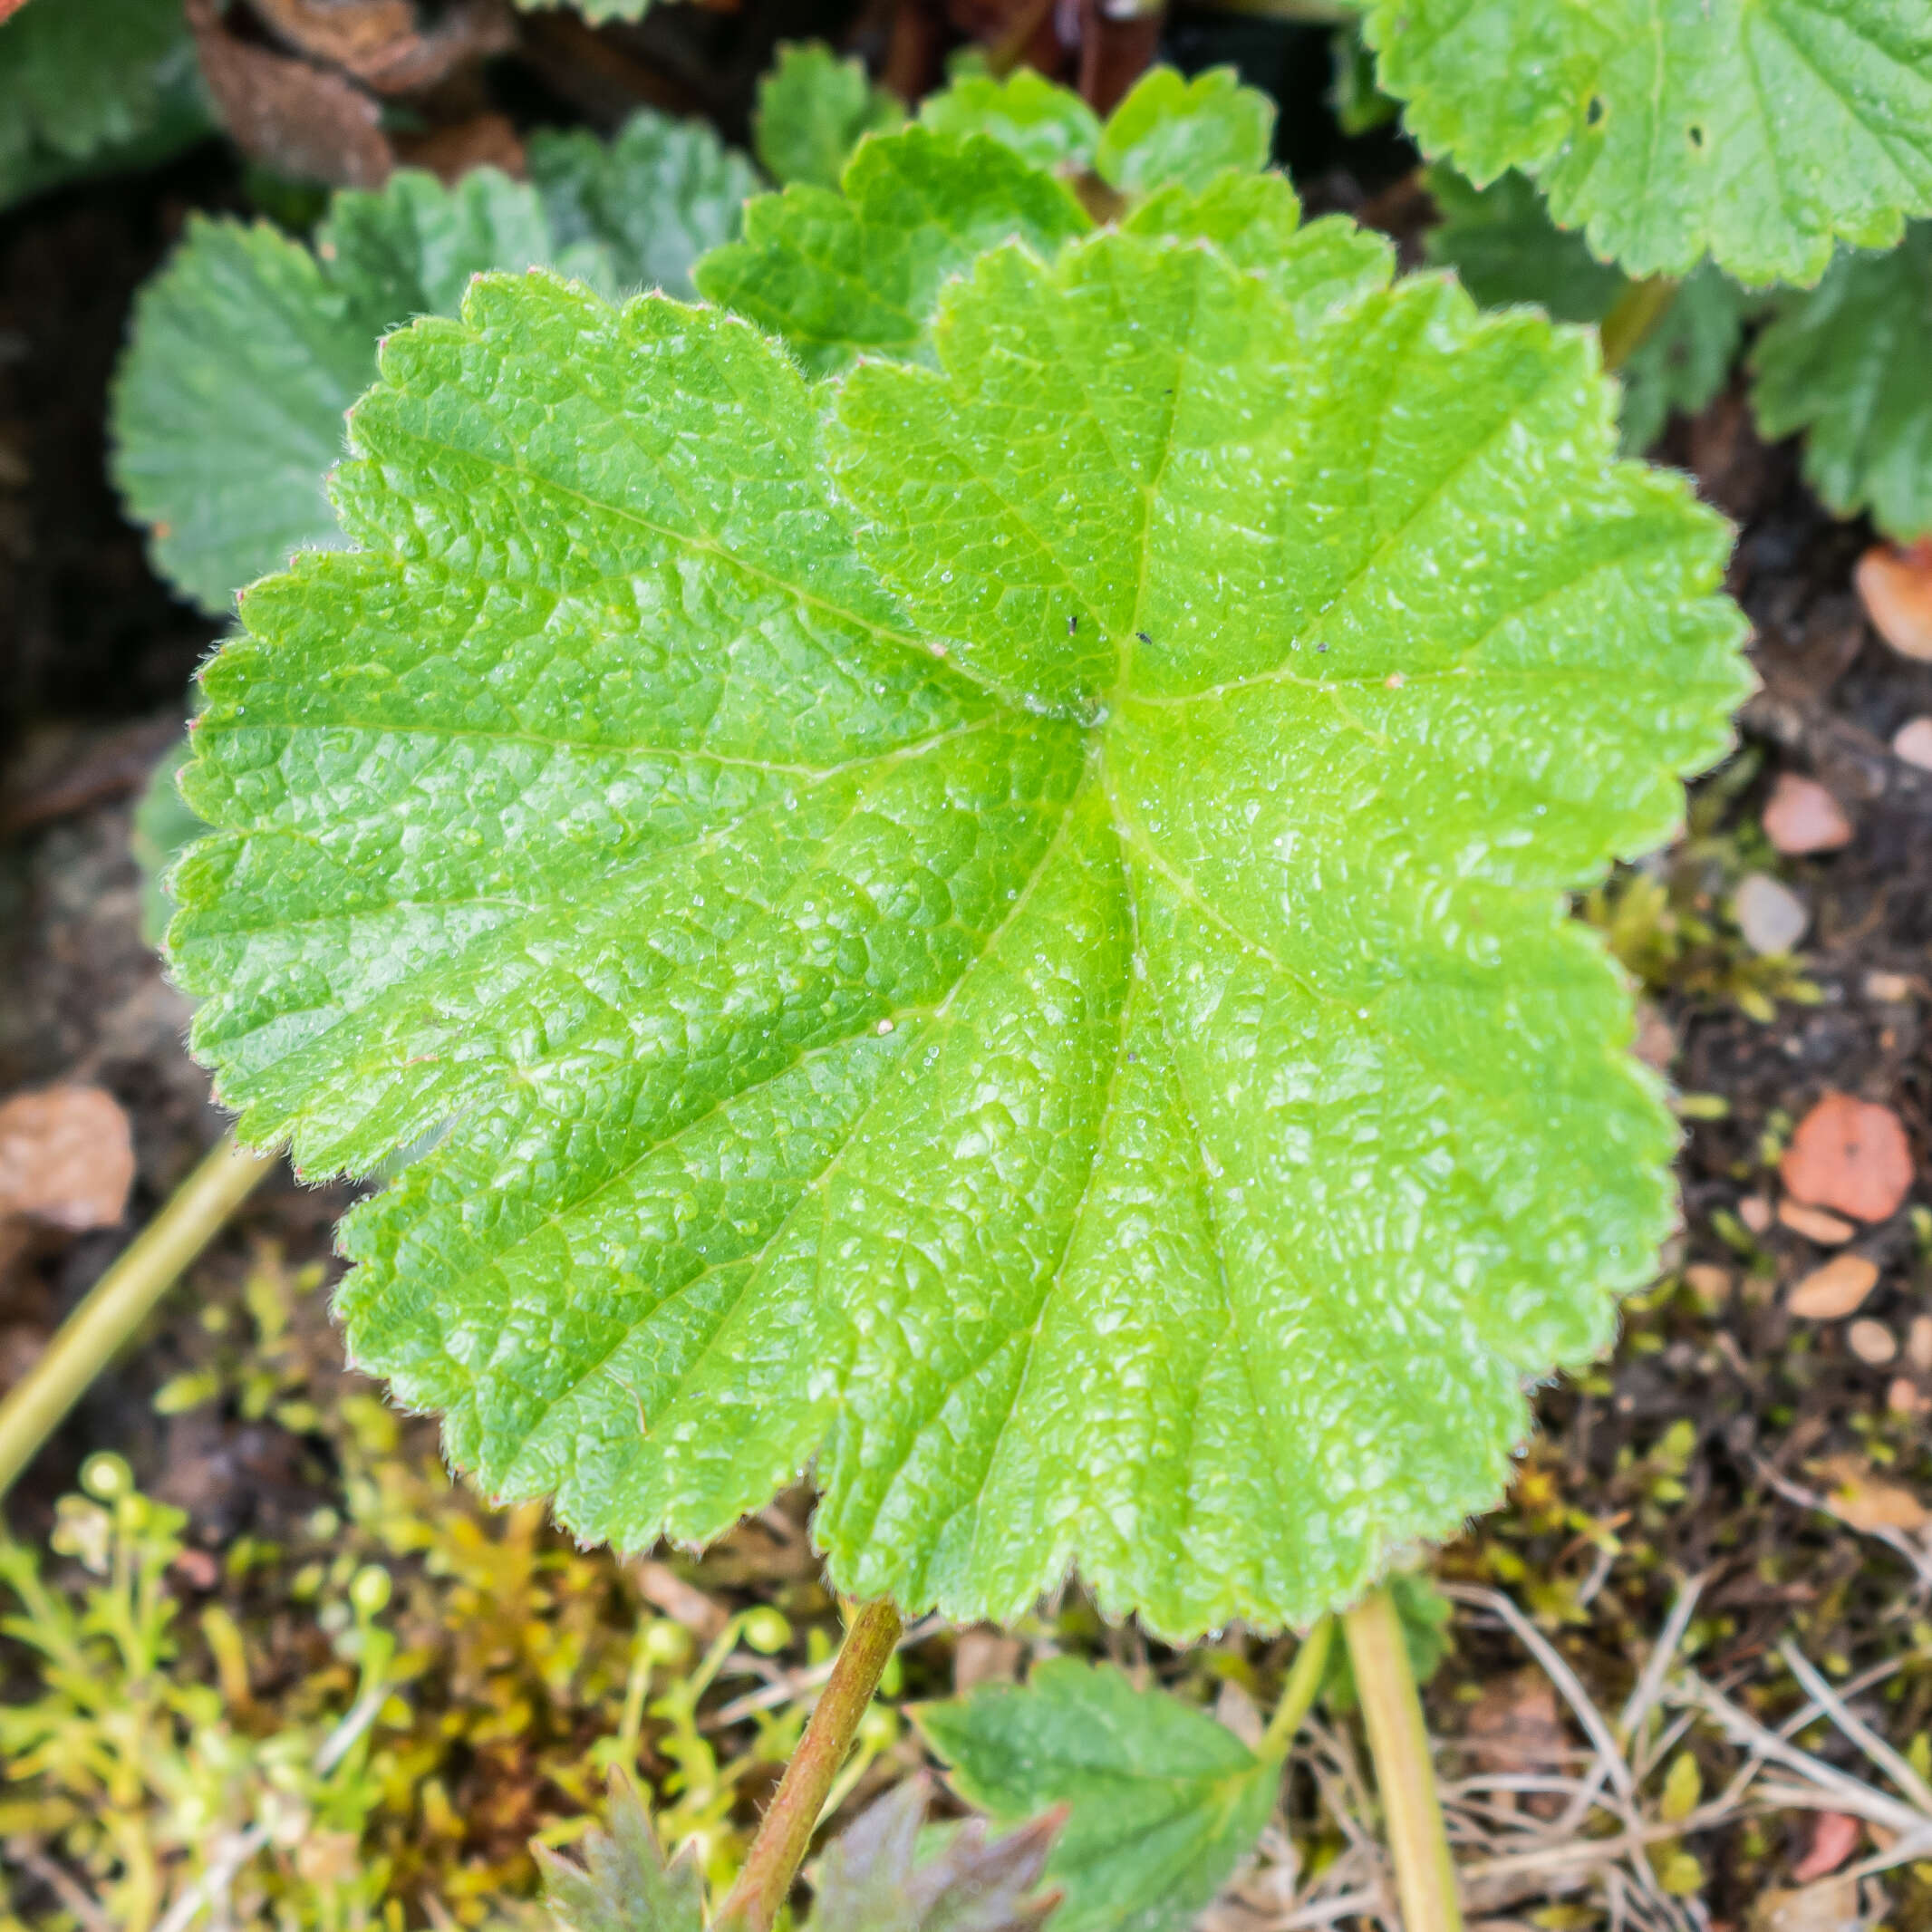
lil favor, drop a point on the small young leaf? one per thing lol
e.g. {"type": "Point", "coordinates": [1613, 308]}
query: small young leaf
{"type": "Point", "coordinates": [1164, 1802]}
{"type": "Point", "coordinates": [813, 110]}
{"type": "Point", "coordinates": [654, 199]}
{"type": "Point", "coordinates": [1029, 974]}
{"type": "Point", "coordinates": [1171, 129]}
{"type": "Point", "coordinates": [87, 84]}
{"type": "Point", "coordinates": [872, 1878]}
{"type": "Point", "coordinates": [1847, 364]}
{"type": "Point", "coordinates": [623, 1884]}
{"type": "Point", "coordinates": [1752, 131]}
{"type": "Point", "coordinates": [839, 275]}
{"type": "Point", "coordinates": [1047, 126]}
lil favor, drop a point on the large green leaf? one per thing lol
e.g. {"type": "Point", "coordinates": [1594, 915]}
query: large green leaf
{"type": "Point", "coordinates": [247, 349]}
{"type": "Point", "coordinates": [813, 110]}
{"type": "Point", "coordinates": [1846, 364]}
{"type": "Point", "coordinates": [1753, 130]}
{"type": "Point", "coordinates": [1500, 241]}
{"type": "Point", "coordinates": [88, 84]}
{"type": "Point", "coordinates": [1162, 1802]}
{"type": "Point", "coordinates": [843, 273]}
{"type": "Point", "coordinates": [1029, 973]}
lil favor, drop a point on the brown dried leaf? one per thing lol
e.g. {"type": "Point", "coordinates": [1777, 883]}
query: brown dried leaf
{"type": "Point", "coordinates": [379, 42]}
{"type": "Point", "coordinates": [1851, 1156]}
{"type": "Point", "coordinates": [1867, 1501]}
{"type": "Point", "coordinates": [1830, 1905]}
{"type": "Point", "coordinates": [298, 119]}
{"type": "Point", "coordinates": [66, 1157]}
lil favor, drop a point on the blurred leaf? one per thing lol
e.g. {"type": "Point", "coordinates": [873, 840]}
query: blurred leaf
{"type": "Point", "coordinates": [1048, 126]}
{"type": "Point", "coordinates": [812, 110]}
{"type": "Point", "coordinates": [164, 827]}
{"type": "Point", "coordinates": [1164, 1801]}
{"type": "Point", "coordinates": [1671, 130]}
{"type": "Point", "coordinates": [873, 1878]}
{"type": "Point", "coordinates": [622, 1883]}
{"type": "Point", "coordinates": [87, 85]}
{"type": "Point", "coordinates": [1500, 241]}
{"type": "Point", "coordinates": [656, 197]}
{"type": "Point", "coordinates": [1848, 364]}
{"type": "Point", "coordinates": [1171, 129]}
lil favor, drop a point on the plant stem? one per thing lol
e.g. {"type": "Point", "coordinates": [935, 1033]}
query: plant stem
{"type": "Point", "coordinates": [1633, 317]}
{"type": "Point", "coordinates": [786, 1834]}
{"type": "Point", "coordinates": [120, 1300]}
{"type": "Point", "coordinates": [1304, 1679]}
{"type": "Point", "coordinates": [1399, 1742]}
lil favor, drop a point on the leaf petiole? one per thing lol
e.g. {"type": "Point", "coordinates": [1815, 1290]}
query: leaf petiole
{"type": "Point", "coordinates": [1398, 1739]}
{"type": "Point", "coordinates": [786, 1833]}
{"type": "Point", "coordinates": [1298, 1695]}
{"type": "Point", "coordinates": [122, 1299]}
{"type": "Point", "coordinates": [1634, 319]}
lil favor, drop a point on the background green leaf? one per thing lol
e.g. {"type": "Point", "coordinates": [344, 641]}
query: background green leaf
{"type": "Point", "coordinates": [653, 199]}
{"type": "Point", "coordinates": [1847, 364]}
{"type": "Point", "coordinates": [1753, 130]}
{"type": "Point", "coordinates": [246, 349]}
{"type": "Point", "coordinates": [1500, 241]}
{"type": "Point", "coordinates": [91, 84]}
{"type": "Point", "coordinates": [1048, 126]}
{"type": "Point", "coordinates": [812, 110]}
{"type": "Point", "coordinates": [1186, 131]}
{"type": "Point", "coordinates": [839, 275]}
{"type": "Point", "coordinates": [1036, 981]}
{"type": "Point", "coordinates": [1164, 1801]}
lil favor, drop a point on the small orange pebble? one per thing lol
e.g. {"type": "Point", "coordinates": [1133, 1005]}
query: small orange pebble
{"type": "Point", "coordinates": [1827, 1230]}
{"type": "Point", "coordinates": [1872, 1342]}
{"type": "Point", "coordinates": [1895, 587]}
{"type": "Point", "coordinates": [1833, 1291]}
{"type": "Point", "coordinates": [1802, 816]}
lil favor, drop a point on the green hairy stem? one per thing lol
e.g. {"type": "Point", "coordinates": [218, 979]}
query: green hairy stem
{"type": "Point", "coordinates": [786, 1835]}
